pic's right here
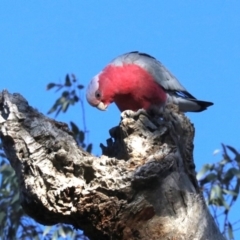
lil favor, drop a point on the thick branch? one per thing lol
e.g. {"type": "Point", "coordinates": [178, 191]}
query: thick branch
{"type": "Point", "coordinates": [143, 187]}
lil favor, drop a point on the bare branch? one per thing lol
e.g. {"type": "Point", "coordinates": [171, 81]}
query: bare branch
{"type": "Point", "coordinates": [143, 187]}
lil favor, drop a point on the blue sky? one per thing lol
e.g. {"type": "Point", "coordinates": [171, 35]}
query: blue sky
{"type": "Point", "coordinates": [199, 41]}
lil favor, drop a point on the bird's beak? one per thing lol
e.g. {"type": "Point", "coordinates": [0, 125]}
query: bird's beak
{"type": "Point", "coordinates": [101, 106]}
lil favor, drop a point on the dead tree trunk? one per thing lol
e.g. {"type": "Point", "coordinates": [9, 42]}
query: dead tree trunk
{"type": "Point", "coordinates": [142, 187]}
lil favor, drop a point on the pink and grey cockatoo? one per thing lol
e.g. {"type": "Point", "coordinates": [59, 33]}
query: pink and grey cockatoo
{"type": "Point", "coordinates": [137, 80]}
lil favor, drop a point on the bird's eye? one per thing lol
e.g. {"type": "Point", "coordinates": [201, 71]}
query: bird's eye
{"type": "Point", "coordinates": [98, 94]}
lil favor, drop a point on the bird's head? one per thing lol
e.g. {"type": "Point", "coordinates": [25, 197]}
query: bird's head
{"type": "Point", "coordinates": [94, 94]}
{"type": "Point", "coordinates": [98, 92]}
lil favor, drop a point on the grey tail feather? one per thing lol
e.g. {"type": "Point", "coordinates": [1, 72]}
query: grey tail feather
{"type": "Point", "coordinates": [202, 104]}
{"type": "Point", "coordinates": [187, 102]}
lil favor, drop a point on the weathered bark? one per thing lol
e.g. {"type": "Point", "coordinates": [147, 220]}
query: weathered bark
{"type": "Point", "coordinates": [143, 187]}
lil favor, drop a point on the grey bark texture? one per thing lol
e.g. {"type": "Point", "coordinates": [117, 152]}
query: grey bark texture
{"type": "Point", "coordinates": [142, 187]}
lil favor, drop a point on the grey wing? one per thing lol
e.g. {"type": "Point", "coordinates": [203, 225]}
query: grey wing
{"type": "Point", "coordinates": [153, 66]}
{"type": "Point", "coordinates": [175, 91]}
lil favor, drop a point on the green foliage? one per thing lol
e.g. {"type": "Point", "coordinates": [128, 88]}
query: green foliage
{"type": "Point", "coordinates": [70, 95]}
{"type": "Point", "coordinates": [220, 183]}
{"type": "Point", "coordinates": [11, 211]}
{"type": "Point", "coordinates": [79, 135]}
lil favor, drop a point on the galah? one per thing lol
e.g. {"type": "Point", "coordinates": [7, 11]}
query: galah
{"type": "Point", "coordinates": [137, 80]}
